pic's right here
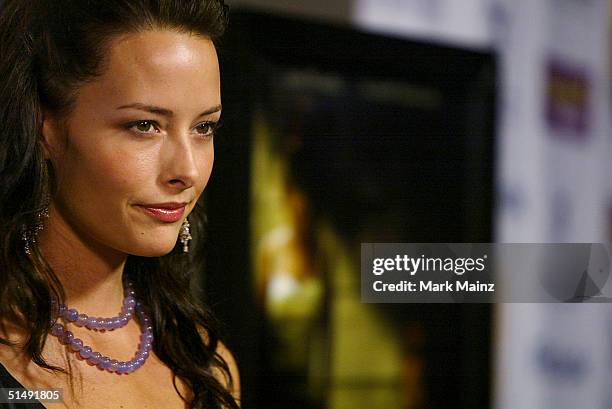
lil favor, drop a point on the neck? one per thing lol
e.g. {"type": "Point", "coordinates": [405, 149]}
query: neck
{"type": "Point", "coordinates": [90, 273]}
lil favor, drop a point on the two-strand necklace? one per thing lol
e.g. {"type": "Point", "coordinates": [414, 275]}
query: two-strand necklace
{"type": "Point", "coordinates": [130, 307]}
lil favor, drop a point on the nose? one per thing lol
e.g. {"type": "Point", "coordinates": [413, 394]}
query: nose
{"type": "Point", "coordinates": [180, 165]}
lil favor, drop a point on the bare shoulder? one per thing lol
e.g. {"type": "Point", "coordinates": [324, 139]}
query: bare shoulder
{"type": "Point", "coordinates": [224, 352]}
{"type": "Point", "coordinates": [228, 357]}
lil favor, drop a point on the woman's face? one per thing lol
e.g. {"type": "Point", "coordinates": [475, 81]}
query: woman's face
{"type": "Point", "coordinates": [139, 135]}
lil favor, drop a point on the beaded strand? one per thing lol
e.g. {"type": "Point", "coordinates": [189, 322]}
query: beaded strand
{"type": "Point", "coordinates": [93, 358]}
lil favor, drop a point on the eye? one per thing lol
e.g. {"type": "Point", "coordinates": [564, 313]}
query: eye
{"type": "Point", "coordinates": [144, 126]}
{"type": "Point", "coordinates": [208, 128]}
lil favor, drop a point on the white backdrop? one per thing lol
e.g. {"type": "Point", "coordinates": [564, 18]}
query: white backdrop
{"type": "Point", "coordinates": [553, 179]}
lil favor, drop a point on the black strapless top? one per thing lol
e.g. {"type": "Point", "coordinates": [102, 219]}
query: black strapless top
{"type": "Point", "coordinates": [7, 381]}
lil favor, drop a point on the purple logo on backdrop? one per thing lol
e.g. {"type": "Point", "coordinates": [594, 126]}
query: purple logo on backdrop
{"type": "Point", "coordinates": [561, 215]}
{"type": "Point", "coordinates": [568, 98]}
{"type": "Point", "coordinates": [511, 199]}
{"type": "Point", "coordinates": [561, 363]}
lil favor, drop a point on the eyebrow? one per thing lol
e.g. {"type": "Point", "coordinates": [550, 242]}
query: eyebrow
{"type": "Point", "coordinates": [163, 111]}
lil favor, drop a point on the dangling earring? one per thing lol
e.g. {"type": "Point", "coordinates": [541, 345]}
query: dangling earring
{"type": "Point", "coordinates": [28, 235]}
{"type": "Point", "coordinates": [185, 236]}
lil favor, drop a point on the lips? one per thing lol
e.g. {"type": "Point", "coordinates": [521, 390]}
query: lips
{"type": "Point", "coordinates": [165, 212]}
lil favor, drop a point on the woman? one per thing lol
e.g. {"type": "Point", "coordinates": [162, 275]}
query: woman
{"type": "Point", "coordinates": [108, 112]}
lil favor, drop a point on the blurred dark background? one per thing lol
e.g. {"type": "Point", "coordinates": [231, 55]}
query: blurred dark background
{"type": "Point", "coordinates": [333, 137]}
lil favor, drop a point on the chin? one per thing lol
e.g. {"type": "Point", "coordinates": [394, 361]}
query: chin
{"type": "Point", "coordinates": [154, 249]}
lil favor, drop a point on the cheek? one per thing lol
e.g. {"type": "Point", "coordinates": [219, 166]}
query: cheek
{"type": "Point", "coordinates": [105, 175]}
{"type": "Point", "coordinates": [206, 166]}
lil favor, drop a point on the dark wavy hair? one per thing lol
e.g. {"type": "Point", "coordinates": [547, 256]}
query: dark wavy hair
{"type": "Point", "coordinates": [48, 48]}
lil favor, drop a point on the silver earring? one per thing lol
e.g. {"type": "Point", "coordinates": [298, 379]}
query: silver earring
{"type": "Point", "coordinates": [185, 236]}
{"type": "Point", "coordinates": [28, 235]}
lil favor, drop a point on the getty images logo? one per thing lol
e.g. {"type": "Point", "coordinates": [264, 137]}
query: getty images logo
{"type": "Point", "coordinates": [575, 272]}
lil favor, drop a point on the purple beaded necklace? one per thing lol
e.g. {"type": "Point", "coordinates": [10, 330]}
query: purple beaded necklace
{"type": "Point", "coordinates": [130, 305]}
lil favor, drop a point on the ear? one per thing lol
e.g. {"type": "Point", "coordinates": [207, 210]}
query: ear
{"type": "Point", "coordinates": [50, 131]}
